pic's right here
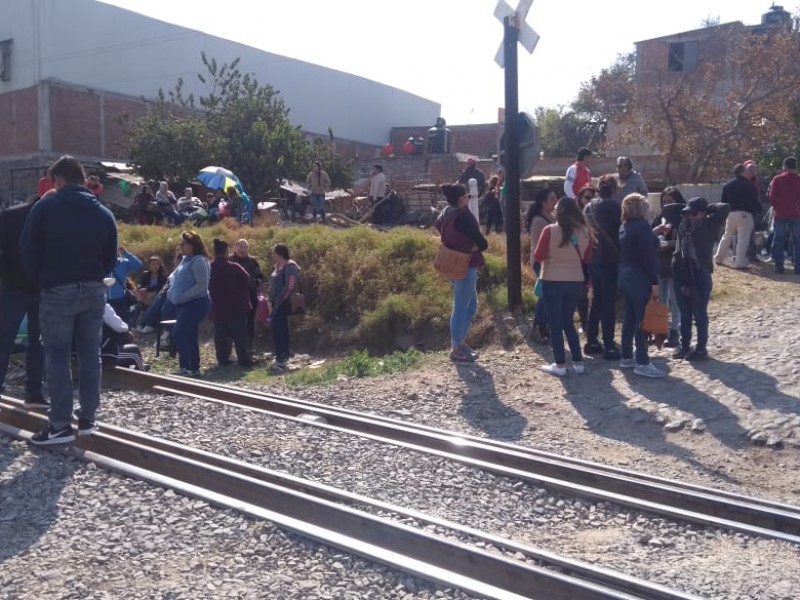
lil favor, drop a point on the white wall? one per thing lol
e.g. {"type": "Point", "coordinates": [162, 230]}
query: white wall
{"type": "Point", "coordinates": [103, 47]}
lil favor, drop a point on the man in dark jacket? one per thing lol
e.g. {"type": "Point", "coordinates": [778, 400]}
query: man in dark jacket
{"type": "Point", "coordinates": [19, 296]}
{"type": "Point", "coordinates": [605, 215]}
{"type": "Point", "coordinates": [741, 195]}
{"type": "Point", "coordinates": [473, 172]}
{"type": "Point", "coordinates": [692, 266]}
{"type": "Point", "coordinates": [68, 246]}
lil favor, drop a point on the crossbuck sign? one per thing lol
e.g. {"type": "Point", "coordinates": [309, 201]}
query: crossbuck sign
{"type": "Point", "coordinates": [527, 36]}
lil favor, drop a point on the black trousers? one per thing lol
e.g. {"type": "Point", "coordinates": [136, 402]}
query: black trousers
{"type": "Point", "coordinates": [231, 329]}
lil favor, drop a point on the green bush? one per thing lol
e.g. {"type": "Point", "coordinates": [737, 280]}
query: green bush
{"type": "Point", "coordinates": [364, 288]}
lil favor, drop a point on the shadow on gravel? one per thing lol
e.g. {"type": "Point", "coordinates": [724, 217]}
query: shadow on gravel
{"type": "Point", "coordinates": [483, 410]}
{"type": "Point", "coordinates": [720, 421]}
{"type": "Point", "coordinates": [759, 387]}
{"type": "Point", "coordinates": [605, 410]}
{"type": "Point", "coordinates": [29, 503]}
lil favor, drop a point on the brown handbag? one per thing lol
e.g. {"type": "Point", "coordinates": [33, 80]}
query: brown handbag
{"type": "Point", "coordinates": [451, 264]}
{"type": "Point", "coordinates": [656, 318]}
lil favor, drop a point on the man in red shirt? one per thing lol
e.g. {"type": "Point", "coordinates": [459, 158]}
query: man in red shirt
{"type": "Point", "coordinates": [784, 195]}
{"type": "Point", "coordinates": [578, 175]}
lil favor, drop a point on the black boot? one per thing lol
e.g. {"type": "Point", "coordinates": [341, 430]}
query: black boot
{"type": "Point", "coordinates": [673, 339]}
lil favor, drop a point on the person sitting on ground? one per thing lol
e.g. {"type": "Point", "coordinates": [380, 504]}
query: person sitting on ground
{"type": "Point", "coordinates": [151, 281]}
{"type": "Point", "coordinates": [188, 202]}
{"type": "Point", "coordinates": [236, 204]}
{"type": "Point", "coordinates": [117, 348]}
{"type": "Point", "coordinates": [229, 288]}
{"type": "Point", "coordinates": [119, 295]}
{"type": "Point", "coordinates": [167, 203]}
{"type": "Point", "coordinates": [692, 266]}
{"type": "Point", "coordinates": [93, 185]}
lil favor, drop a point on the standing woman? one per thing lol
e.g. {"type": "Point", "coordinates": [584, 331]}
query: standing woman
{"type": "Point", "coordinates": [242, 258]}
{"type": "Point", "coordinates": [562, 250]}
{"type": "Point", "coordinates": [189, 295]}
{"type": "Point", "coordinates": [285, 279]}
{"type": "Point", "coordinates": [491, 204]}
{"type": "Point", "coordinates": [318, 183]}
{"type": "Point", "coordinates": [638, 280]}
{"type": "Point", "coordinates": [461, 232]}
{"type": "Point", "coordinates": [666, 227]}
{"type": "Point", "coordinates": [540, 215]}
{"type": "Point", "coordinates": [585, 195]}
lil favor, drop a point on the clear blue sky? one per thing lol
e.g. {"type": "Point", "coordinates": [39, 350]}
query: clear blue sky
{"type": "Point", "coordinates": [444, 49]}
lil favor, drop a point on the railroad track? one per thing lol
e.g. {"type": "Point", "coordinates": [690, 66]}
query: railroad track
{"type": "Point", "coordinates": [672, 499]}
{"type": "Point", "coordinates": [346, 520]}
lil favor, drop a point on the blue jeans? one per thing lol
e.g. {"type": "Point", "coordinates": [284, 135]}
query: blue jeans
{"type": "Point", "coordinates": [73, 311]}
{"type": "Point", "coordinates": [781, 228]}
{"type": "Point", "coordinates": [14, 304]}
{"type": "Point", "coordinates": [318, 206]}
{"type": "Point", "coordinates": [188, 316]}
{"type": "Point", "coordinates": [561, 299]}
{"type": "Point", "coordinates": [636, 292]}
{"type": "Point", "coordinates": [666, 289]}
{"type": "Point", "coordinates": [160, 310]}
{"type": "Point", "coordinates": [540, 312]}
{"type": "Point", "coordinates": [603, 309]}
{"type": "Point", "coordinates": [693, 296]}
{"type": "Point", "coordinates": [465, 305]}
{"type": "Point", "coordinates": [280, 331]}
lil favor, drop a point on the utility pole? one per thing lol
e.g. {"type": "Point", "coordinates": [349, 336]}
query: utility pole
{"type": "Point", "coordinates": [515, 30]}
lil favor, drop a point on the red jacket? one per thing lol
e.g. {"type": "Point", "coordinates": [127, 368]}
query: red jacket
{"type": "Point", "coordinates": [784, 195]}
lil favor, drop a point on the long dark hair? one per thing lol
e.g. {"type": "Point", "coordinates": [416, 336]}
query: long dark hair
{"type": "Point", "coordinates": [569, 217]}
{"type": "Point", "coordinates": [452, 192]}
{"type": "Point", "coordinates": [536, 207]}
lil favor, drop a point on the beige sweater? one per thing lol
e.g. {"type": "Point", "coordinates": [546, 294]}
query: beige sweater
{"type": "Point", "coordinates": [562, 263]}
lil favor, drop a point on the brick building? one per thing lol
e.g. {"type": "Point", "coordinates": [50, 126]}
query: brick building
{"type": "Point", "coordinates": [68, 68]}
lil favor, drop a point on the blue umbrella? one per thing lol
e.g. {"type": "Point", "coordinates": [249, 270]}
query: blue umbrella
{"type": "Point", "coordinates": [218, 178]}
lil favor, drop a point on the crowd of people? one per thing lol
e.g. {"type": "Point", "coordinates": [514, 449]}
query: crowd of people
{"type": "Point", "coordinates": [595, 245]}
{"type": "Point", "coordinates": [62, 266]}
{"type": "Point", "coordinates": [161, 206]}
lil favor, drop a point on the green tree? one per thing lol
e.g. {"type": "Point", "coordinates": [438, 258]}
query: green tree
{"type": "Point", "coordinates": [238, 123]}
{"type": "Point", "coordinates": [561, 132]}
{"type": "Point", "coordinates": [738, 99]}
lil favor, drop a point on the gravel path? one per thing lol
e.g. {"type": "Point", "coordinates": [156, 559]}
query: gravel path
{"type": "Point", "coordinates": [732, 422]}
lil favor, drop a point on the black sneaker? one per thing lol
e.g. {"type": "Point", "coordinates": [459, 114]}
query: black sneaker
{"type": "Point", "coordinates": [86, 427]}
{"type": "Point", "coordinates": [612, 354]}
{"type": "Point", "coordinates": [592, 348]}
{"type": "Point", "coordinates": [48, 437]}
{"type": "Point", "coordinates": [697, 354]}
{"type": "Point", "coordinates": [680, 353]}
{"type": "Point", "coordinates": [36, 401]}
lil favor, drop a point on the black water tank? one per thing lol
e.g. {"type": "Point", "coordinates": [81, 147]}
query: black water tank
{"type": "Point", "coordinates": [775, 15]}
{"type": "Point", "coordinates": [440, 138]}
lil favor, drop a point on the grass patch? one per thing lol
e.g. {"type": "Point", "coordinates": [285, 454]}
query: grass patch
{"type": "Point", "coordinates": [357, 365]}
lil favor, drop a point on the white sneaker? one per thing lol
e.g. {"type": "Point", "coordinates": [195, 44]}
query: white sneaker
{"type": "Point", "coordinates": [627, 363]}
{"type": "Point", "coordinates": [554, 369]}
{"type": "Point", "coordinates": [578, 368]}
{"type": "Point", "coordinates": [649, 370]}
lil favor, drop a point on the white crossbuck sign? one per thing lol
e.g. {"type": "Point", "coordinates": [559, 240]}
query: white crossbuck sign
{"type": "Point", "coordinates": [527, 36]}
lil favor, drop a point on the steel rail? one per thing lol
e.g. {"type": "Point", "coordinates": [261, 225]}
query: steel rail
{"type": "Point", "coordinates": [677, 500]}
{"type": "Point", "coordinates": [326, 514]}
